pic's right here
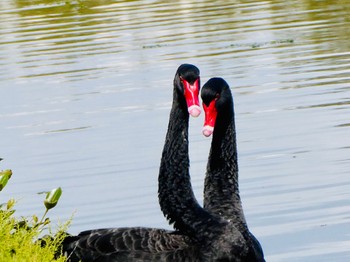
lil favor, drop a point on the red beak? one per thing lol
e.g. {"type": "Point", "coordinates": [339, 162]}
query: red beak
{"type": "Point", "coordinates": [191, 96]}
{"type": "Point", "coordinates": [210, 118]}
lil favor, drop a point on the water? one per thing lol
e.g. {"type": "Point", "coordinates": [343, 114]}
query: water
{"type": "Point", "coordinates": [86, 88]}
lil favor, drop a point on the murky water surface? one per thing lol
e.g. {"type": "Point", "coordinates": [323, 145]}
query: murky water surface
{"type": "Point", "coordinates": [86, 89]}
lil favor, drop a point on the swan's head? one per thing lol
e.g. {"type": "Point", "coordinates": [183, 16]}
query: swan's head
{"type": "Point", "coordinates": [188, 83]}
{"type": "Point", "coordinates": [217, 99]}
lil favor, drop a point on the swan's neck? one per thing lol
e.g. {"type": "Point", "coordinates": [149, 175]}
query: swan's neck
{"type": "Point", "coordinates": [176, 196]}
{"type": "Point", "coordinates": [221, 194]}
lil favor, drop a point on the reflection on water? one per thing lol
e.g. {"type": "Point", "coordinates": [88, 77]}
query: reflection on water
{"type": "Point", "coordinates": [86, 91]}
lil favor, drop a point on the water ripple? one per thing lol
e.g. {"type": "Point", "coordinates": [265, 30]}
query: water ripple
{"type": "Point", "coordinates": [86, 94]}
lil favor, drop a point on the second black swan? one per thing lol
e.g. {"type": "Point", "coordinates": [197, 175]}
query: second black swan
{"type": "Point", "coordinates": [139, 243]}
{"type": "Point", "coordinates": [221, 190]}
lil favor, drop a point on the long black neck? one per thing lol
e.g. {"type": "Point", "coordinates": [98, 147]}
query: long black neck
{"type": "Point", "coordinates": [221, 191]}
{"type": "Point", "coordinates": [176, 196]}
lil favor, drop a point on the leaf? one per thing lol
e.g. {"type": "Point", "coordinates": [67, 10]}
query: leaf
{"type": "Point", "coordinates": [52, 198]}
{"type": "Point", "coordinates": [4, 178]}
{"type": "Point", "coordinates": [46, 221]}
{"type": "Point", "coordinates": [10, 204]}
{"type": "Point", "coordinates": [35, 219]}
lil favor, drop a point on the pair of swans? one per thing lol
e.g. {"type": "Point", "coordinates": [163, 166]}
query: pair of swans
{"type": "Point", "coordinates": [215, 232]}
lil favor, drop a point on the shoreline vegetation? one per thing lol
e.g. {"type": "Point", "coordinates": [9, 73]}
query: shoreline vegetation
{"type": "Point", "coordinates": [22, 238]}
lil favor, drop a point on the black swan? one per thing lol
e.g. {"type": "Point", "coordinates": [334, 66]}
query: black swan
{"type": "Point", "coordinates": [221, 193]}
{"type": "Point", "coordinates": [214, 236]}
{"type": "Point", "coordinates": [148, 244]}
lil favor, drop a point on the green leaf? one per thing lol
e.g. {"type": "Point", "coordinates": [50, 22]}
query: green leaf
{"type": "Point", "coordinates": [52, 198]}
{"type": "Point", "coordinates": [35, 219]}
{"type": "Point", "coordinates": [7, 172]}
{"type": "Point", "coordinates": [10, 203]}
{"type": "Point", "coordinates": [4, 178]}
{"type": "Point", "coordinates": [46, 221]}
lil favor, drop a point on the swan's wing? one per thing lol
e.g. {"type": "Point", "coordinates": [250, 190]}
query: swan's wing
{"type": "Point", "coordinates": [94, 245]}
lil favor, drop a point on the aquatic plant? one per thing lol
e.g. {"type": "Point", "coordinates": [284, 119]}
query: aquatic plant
{"type": "Point", "coordinates": [20, 237]}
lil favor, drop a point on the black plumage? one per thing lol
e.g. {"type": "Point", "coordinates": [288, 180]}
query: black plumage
{"type": "Point", "coordinates": [221, 191]}
{"type": "Point", "coordinates": [147, 244]}
{"type": "Point", "coordinates": [217, 232]}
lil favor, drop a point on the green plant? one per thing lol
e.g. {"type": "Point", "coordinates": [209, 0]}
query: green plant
{"type": "Point", "coordinates": [20, 238]}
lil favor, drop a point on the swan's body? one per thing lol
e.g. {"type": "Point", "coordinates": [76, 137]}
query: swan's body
{"type": "Point", "coordinates": [146, 244]}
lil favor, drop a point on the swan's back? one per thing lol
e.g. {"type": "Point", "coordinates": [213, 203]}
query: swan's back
{"type": "Point", "coordinates": [118, 244]}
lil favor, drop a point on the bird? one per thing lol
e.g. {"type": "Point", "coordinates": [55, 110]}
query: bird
{"type": "Point", "coordinates": [140, 243]}
{"type": "Point", "coordinates": [221, 189]}
{"type": "Point", "coordinates": [201, 233]}
{"type": "Point", "coordinates": [215, 235]}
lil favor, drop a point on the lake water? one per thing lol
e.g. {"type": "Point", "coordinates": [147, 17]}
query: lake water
{"type": "Point", "coordinates": [86, 89]}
